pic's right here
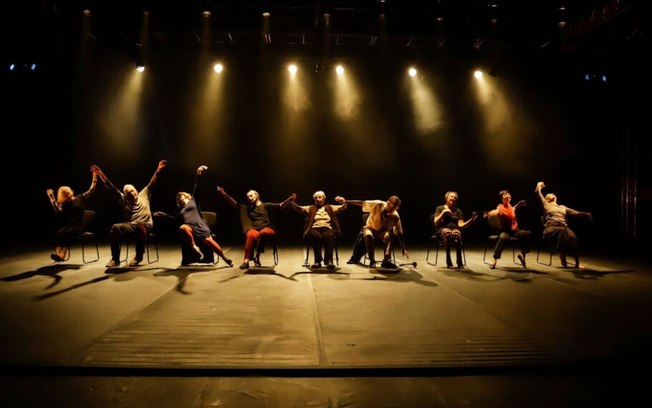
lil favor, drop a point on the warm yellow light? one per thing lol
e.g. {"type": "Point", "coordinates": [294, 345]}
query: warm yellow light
{"type": "Point", "coordinates": [412, 71]}
{"type": "Point", "coordinates": [292, 69]}
{"type": "Point", "coordinates": [478, 74]}
{"type": "Point", "coordinates": [340, 70]}
{"type": "Point", "coordinates": [140, 68]}
{"type": "Point", "coordinates": [218, 68]}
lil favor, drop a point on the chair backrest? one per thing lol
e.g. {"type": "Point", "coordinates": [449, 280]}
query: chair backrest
{"type": "Point", "coordinates": [89, 220]}
{"type": "Point", "coordinates": [493, 220]}
{"type": "Point", "coordinates": [210, 217]}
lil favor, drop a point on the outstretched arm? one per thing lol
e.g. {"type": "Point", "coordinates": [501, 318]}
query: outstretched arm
{"type": "Point", "coordinates": [97, 170]}
{"type": "Point", "coordinates": [521, 203]}
{"type": "Point", "coordinates": [289, 200]}
{"type": "Point", "coordinates": [161, 166]}
{"type": "Point", "coordinates": [342, 202]}
{"type": "Point", "coordinates": [359, 203]}
{"type": "Point", "coordinates": [464, 224]}
{"type": "Point", "coordinates": [296, 207]}
{"type": "Point", "coordinates": [227, 197]}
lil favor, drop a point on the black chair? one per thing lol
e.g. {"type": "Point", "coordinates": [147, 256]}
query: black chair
{"type": "Point", "coordinates": [336, 254]}
{"type": "Point", "coordinates": [545, 242]}
{"type": "Point", "coordinates": [88, 237]}
{"type": "Point", "coordinates": [150, 240]}
{"type": "Point", "coordinates": [494, 223]}
{"type": "Point", "coordinates": [365, 259]}
{"type": "Point", "coordinates": [437, 241]}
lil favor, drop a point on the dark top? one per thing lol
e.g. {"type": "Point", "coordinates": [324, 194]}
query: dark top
{"type": "Point", "coordinates": [258, 216]}
{"type": "Point", "coordinates": [449, 220]}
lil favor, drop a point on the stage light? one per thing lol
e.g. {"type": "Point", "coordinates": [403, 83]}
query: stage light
{"type": "Point", "coordinates": [33, 67]}
{"type": "Point", "coordinates": [412, 71]}
{"type": "Point", "coordinates": [218, 68]}
{"type": "Point", "coordinates": [478, 74]}
{"type": "Point", "coordinates": [12, 67]}
{"type": "Point", "coordinates": [292, 69]}
{"type": "Point", "coordinates": [206, 13]}
{"type": "Point", "coordinates": [140, 68]}
{"type": "Point", "coordinates": [339, 70]}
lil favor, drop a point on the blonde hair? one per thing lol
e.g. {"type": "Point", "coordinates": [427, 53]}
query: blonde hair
{"type": "Point", "coordinates": [65, 193]}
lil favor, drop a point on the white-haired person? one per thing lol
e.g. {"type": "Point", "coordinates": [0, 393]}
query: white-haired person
{"type": "Point", "coordinates": [321, 226]}
{"type": "Point", "coordinates": [256, 221]}
{"type": "Point", "coordinates": [70, 209]}
{"type": "Point", "coordinates": [138, 221]}
{"type": "Point", "coordinates": [556, 227]}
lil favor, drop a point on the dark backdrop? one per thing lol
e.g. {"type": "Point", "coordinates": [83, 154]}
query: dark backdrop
{"type": "Point", "coordinates": [579, 136]}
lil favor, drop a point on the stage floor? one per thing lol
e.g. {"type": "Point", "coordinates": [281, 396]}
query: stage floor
{"type": "Point", "coordinates": [76, 334]}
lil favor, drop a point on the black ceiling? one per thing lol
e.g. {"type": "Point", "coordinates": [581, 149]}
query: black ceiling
{"type": "Point", "coordinates": [36, 26]}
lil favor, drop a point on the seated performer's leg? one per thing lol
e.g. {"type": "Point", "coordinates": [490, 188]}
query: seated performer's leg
{"type": "Point", "coordinates": [215, 247]}
{"type": "Point", "coordinates": [251, 238]}
{"type": "Point", "coordinates": [265, 235]}
{"type": "Point", "coordinates": [189, 239]}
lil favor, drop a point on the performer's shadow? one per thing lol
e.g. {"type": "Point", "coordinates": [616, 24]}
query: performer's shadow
{"type": "Point", "coordinates": [51, 271]}
{"type": "Point", "coordinates": [182, 273]}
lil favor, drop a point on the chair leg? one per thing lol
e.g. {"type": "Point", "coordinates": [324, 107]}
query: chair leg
{"type": "Point", "coordinates": [82, 239]}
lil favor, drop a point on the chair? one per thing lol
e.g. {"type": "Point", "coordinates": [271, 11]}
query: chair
{"type": "Point", "coordinates": [436, 241]}
{"type": "Point", "coordinates": [494, 223]}
{"type": "Point", "coordinates": [543, 243]}
{"type": "Point", "coordinates": [336, 254]}
{"type": "Point", "coordinates": [87, 237]}
{"type": "Point", "coordinates": [151, 239]}
{"type": "Point", "coordinates": [365, 259]}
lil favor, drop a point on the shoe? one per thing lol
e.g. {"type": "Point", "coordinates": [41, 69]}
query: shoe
{"type": "Point", "coordinates": [112, 263]}
{"type": "Point", "coordinates": [316, 265]}
{"type": "Point", "coordinates": [330, 265]}
{"type": "Point", "coordinates": [521, 259]}
{"type": "Point", "coordinates": [257, 263]}
{"type": "Point", "coordinates": [492, 265]}
{"type": "Point", "coordinates": [449, 264]}
{"type": "Point", "coordinates": [564, 263]}
{"type": "Point", "coordinates": [387, 264]}
{"type": "Point", "coordinates": [244, 265]}
{"type": "Point", "coordinates": [135, 262]}
{"type": "Point", "coordinates": [56, 258]}
{"type": "Point", "coordinates": [199, 252]}
{"type": "Point", "coordinates": [353, 261]}
{"type": "Point", "coordinates": [228, 262]}
{"type": "Point", "coordinates": [460, 266]}
{"type": "Point", "coordinates": [373, 263]}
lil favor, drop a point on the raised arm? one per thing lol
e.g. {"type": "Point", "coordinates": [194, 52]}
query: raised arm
{"type": "Point", "coordinates": [464, 224]}
{"type": "Point", "coordinates": [521, 203]}
{"type": "Point", "coordinates": [359, 203]}
{"type": "Point", "coordinates": [289, 200]}
{"type": "Point", "coordinates": [53, 201]}
{"type": "Point", "coordinates": [91, 189]}
{"type": "Point", "coordinates": [538, 190]}
{"type": "Point", "coordinates": [159, 168]}
{"type": "Point", "coordinates": [227, 197]}
{"type": "Point", "coordinates": [342, 202]}
{"type": "Point", "coordinates": [96, 169]}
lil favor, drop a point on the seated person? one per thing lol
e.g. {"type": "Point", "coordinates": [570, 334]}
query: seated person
{"type": "Point", "coordinates": [508, 227]}
{"type": "Point", "coordinates": [556, 226]}
{"type": "Point", "coordinates": [256, 223]}
{"type": "Point", "coordinates": [383, 223]}
{"type": "Point", "coordinates": [193, 226]}
{"type": "Point", "coordinates": [449, 222]}
{"type": "Point", "coordinates": [321, 227]}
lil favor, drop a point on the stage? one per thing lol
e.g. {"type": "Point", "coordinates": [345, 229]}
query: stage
{"type": "Point", "coordinates": [161, 334]}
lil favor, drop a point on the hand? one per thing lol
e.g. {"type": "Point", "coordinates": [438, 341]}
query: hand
{"type": "Point", "coordinates": [540, 185]}
{"type": "Point", "coordinates": [485, 214]}
{"type": "Point", "coordinates": [340, 200]}
{"type": "Point", "coordinates": [293, 196]}
{"type": "Point", "coordinates": [405, 254]}
{"type": "Point", "coordinates": [162, 164]}
{"type": "Point", "coordinates": [220, 190]}
{"type": "Point", "coordinates": [201, 169]}
{"type": "Point", "coordinates": [474, 215]}
{"type": "Point", "coordinates": [50, 193]}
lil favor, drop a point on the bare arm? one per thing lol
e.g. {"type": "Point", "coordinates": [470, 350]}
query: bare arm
{"type": "Point", "coordinates": [96, 169]}
{"type": "Point", "coordinates": [91, 189]}
{"type": "Point", "coordinates": [464, 224]}
{"type": "Point", "coordinates": [161, 166]}
{"type": "Point", "coordinates": [539, 188]}
{"type": "Point", "coordinates": [227, 197]}
{"type": "Point", "coordinates": [296, 207]}
{"type": "Point", "coordinates": [289, 200]}
{"type": "Point", "coordinates": [53, 201]}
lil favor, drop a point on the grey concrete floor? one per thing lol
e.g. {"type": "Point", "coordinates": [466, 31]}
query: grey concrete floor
{"type": "Point", "coordinates": [165, 335]}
